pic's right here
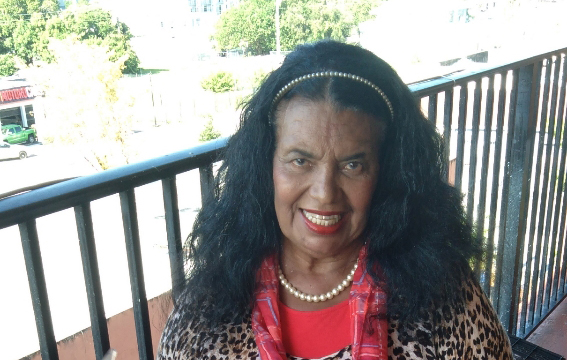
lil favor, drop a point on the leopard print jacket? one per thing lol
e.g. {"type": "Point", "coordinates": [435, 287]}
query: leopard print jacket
{"type": "Point", "coordinates": [468, 330]}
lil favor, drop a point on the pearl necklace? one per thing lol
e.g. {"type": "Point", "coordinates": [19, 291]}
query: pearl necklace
{"type": "Point", "coordinates": [316, 298]}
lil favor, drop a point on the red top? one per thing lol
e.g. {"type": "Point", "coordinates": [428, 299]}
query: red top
{"type": "Point", "coordinates": [315, 334]}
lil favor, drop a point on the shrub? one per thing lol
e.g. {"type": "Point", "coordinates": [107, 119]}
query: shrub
{"type": "Point", "coordinates": [219, 82]}
{"type": "Point", "coordinates": [209, 132]}
{"type": "Point", "coordinates": [7, 65]}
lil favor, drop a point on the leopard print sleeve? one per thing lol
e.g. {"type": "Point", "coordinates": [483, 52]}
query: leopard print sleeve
{"type": "Point", "coordinates": [174, 336]}
{"type": "Point", "coordinates": [468, 330]}
{"type": "Point", "coordinates": [186, 338]}
{"type": "Point", "coordinates": [471, 329]}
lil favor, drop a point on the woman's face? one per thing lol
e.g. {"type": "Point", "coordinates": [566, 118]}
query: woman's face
{"type": "Point", "coordinates": [325, 171]}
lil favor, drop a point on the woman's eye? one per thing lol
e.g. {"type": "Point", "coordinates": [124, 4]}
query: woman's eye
{"type": "Point", "coordinates": [353, 165]}
{"type": "Point", "coordinates": [299, 162]}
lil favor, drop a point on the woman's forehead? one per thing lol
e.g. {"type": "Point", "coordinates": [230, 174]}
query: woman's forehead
{"type": "Point", "coordinates": [320, 123]}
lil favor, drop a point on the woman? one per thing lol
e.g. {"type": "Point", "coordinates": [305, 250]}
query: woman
{"type": "Point", "coordinates": [332, 234]}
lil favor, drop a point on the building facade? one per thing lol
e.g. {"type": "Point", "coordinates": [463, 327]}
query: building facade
{"type": "Point", "coordinates": [16, 103]}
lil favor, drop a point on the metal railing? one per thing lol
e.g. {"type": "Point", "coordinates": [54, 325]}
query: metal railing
{"type": "Point", "coordinates": [509, 161]}
{"type": "Point", "coordinates": [78, 193]}
{"type": "Point", "coordinates": [508, 151]}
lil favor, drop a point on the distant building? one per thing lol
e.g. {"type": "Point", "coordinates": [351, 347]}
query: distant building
{"type": "Point", "coordinates": [16, 102]}
{"type": "Point", "coordinates": [205, 13]}
{"type": "Point", "coordinates": [172, 17]}
{"type": "Point", "coordinates": [62, 3]}
{"type": "Point", "coordinates": [211, 6]}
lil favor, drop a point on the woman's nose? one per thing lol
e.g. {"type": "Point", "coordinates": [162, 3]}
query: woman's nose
{"type": "Point", "coordinates": [324, 186]}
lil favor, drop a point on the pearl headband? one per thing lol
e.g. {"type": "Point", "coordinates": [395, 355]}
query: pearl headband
{"type": "Point", "coordinates": [294, 82]}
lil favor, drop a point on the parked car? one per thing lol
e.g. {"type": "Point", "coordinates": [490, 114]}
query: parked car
{"type": "Point", "coordinates": [16, 134]}
{"type": "Point", "coordinates": [12, 151]}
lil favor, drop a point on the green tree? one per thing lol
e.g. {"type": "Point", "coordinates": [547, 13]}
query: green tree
{"type": "Point", "coordinates": [7, 65]}
{"type": "Point", "coordinates": [95, 26]}
{"type": "Point", "coordinates": [249, 25]}
{"type": "Point", "coordinates": [308, 21]}
{"type": "Point", "coordinates": [252, 23]}
{"type": "Point", "coordinates": [27, 25]}
{"type": "Point", "coordinates": [22, 42]}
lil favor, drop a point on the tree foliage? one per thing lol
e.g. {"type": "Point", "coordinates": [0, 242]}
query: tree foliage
{"type": "Point", "coordinates": [83, 102]}
{"type": "Point", "coordinates": [251, 24]}
{"type": "Point", "coordinates": [7, 65]}
{"type": "Point", "coordinates": [27, 25]}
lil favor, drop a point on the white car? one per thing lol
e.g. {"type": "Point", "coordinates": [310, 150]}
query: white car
{"type": "Point", "coordinates": [15, 151]}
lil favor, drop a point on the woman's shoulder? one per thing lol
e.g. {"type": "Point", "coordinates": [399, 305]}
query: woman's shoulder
{"type": "Point", "coordinates": [466, 327]}
{"type": "Point", "coordinates": [469, 326]}
{"type": "Point", "coordinates": [187, 335]}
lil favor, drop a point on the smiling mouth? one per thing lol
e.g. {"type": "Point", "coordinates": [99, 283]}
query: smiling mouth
{"type": "Point", "coordinates": [322, 220]}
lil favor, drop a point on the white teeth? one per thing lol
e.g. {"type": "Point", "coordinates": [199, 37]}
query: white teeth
{"type": "Point", "coordinates": [324, 220]}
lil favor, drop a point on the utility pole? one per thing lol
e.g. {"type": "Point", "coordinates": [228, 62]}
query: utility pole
{"type": "Point", "coordinates": [278, 46]}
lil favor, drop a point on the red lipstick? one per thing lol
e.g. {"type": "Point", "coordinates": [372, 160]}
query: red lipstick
{"type": "Point", "coordinates": [320, 229]}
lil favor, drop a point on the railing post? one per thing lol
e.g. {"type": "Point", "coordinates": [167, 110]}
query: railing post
{"type": "Point", "coordinates": [85, 231]}
{"type": "Point", "coordinates": [173, 229]}
{"type": "Point", "coordinates": [137, 284]}
{"type": "Point", "coordinates": [518, 169]}
{"type": "Point", "coordinates": [38, 290]}
{"type": "Point", "coordinates": [207, 182]}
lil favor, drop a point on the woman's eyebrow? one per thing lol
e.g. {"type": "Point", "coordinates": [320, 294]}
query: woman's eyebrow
{"type": "Point", "coordinates": [301, 152]}
{"type": "Point", "coordinates": [359, 155]}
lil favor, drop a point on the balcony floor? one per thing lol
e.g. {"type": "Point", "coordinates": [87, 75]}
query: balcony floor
{"type": "Point", "coordinates": [551, 334]}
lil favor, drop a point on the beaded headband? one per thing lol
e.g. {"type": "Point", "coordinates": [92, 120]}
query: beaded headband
{"type": "Point", "coordinates": [322, 74]}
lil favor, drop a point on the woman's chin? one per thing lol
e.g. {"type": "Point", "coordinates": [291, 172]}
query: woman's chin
{"type": "Point", "coordinates": [324, 247]}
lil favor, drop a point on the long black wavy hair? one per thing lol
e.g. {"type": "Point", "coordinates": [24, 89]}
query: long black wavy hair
{"type": "Point", "coordinates": [417, 231]}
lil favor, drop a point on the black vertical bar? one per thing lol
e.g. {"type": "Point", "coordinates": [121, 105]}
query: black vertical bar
{"type": "Point", "coordinates": [488, 116]}
{"type": "Point", "coordinates": [541, 251]}
{"type": "Point", "coordinates": [85, 231]}
{"type": "Point", "coordinates": [520, 154]}
{"type": "Point", "coordinates": [474, 149]}
{"type": "Point", "coordinates": [173, 229]}
{"type": "Point", "coordinates": [562, 286]}
{"type": "Point", "coordinates": [473, 153]}
{"type": "Point", "coordinates": [529, 240]}
{"type": "Point", "coordinates": [543, 138]}
{"type": "Point", "coordinates": [432, 108]}
{"type": "Point", "coordinates": [531, 273]}
{"type": "Point", "coordinates": [545, 267]}
{"type": "Point", "coordinates": [38, 290]}
{"type": "Point", "coordinates": [552, 275]}
{"type": "Point", "coordinates": [463, 102]}
{"type": "Point", "coordinates": [134, 254]}
{"type": "Point", "coordinates": [502, 94]}
{"type": "Point", "coordinates": [558, 279]}
{"type": "Point", "coordinates": [447, 116]}
{"type": "Point", "coordinates": [207, 184]}
{"type": "Point", "coordinates": [500, 269]}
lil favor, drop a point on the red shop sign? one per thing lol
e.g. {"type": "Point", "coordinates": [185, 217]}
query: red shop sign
{"type": "Point", "coordinates": [15, 94]}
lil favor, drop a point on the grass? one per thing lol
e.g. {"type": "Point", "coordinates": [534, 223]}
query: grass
{"type": "Point", "coordinates": [142, 71]}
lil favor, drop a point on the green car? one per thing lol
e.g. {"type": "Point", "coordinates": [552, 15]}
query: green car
{"type": "Point", "coordinates": [15, 134]}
